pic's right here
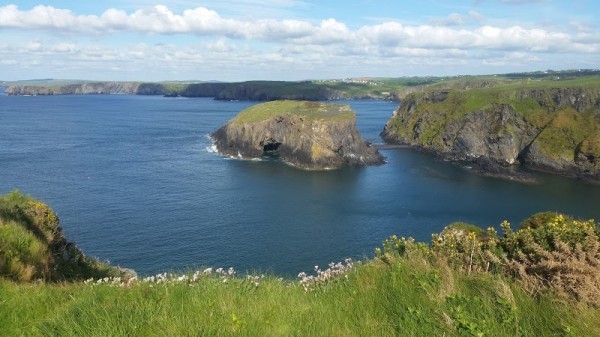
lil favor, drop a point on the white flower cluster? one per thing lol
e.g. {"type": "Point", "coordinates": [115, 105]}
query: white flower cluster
{"type": "Point", "coordinates": [308, 282]}
{"type": "Point", "coordinates": [255, 279]}
{"type": "Point", "coordinates": [167, 278]}
{"type": "Point", "coordinates": [323, 276]}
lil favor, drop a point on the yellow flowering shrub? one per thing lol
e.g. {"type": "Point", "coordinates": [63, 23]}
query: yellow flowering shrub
{"type": "Point", "coordinates": [550, 251]}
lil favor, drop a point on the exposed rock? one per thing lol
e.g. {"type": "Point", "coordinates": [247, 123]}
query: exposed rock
{"type": "Point", "coordinates": [203, 89]}
{"type": "Point", "coordinates": [555, 129]}
{"type": "Point", "coordinates": [251, 90]}
{"type": "Point", "coordinates": [151, 89]}
{"type": "Point", "coordinates": [86, 88]}
{"type": "Point", "coordinates": [277, 90]}
{"type": "Point", "coordinates": [304, 134]}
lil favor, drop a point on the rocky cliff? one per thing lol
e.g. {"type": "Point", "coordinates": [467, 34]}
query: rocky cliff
{"type": "Point", "coordinates": [251, 90]}
{"type": "Point", "coordinates": [555, 129]}
{"type": "Point", "coordinates": [277, 90]}
{"type": "Point", "coordinates": [75, 89]}
{"type": "Point", "coordinates": [307, 135]}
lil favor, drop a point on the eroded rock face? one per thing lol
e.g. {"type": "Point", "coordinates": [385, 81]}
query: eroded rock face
{"type": "Point", "coordinates": [76, 89]}
{"type": "Point", "coordinates": [304, 142]}
{"type": "Point", "coordinates": [560, 134]}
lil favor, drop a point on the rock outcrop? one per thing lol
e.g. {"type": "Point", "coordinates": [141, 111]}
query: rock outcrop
{"type": "Point", "coordinates": [551, 129]}
{"type": "Point", "coordinates": [307, 135]}
{"type": "Point", "coordinates": [251, 90]}
{"type": "Point", "coordinates": [86, 88]}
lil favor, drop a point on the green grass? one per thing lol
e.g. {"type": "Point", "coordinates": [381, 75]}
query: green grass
{"type": "Point", "coordinates": [403, 297]}
{"type": "Point", "coordinates": [32, 245]}
{"type": "Point", "coordinates": [566, 131]}
{"type": "Point", "coordinates": [309, 110]}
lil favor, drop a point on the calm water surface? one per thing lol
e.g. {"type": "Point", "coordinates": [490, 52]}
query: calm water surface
{"type": "Point", "coordinates": [133, 183]}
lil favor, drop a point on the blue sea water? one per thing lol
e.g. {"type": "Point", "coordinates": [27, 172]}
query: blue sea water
{"type": "Point", "coordinates": [133, 182]}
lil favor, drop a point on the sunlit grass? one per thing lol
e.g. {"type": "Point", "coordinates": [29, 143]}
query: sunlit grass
{"type": "Point", "coordinates": [397, 298]}
{"type": "Point", "coordinates": [309, 110]}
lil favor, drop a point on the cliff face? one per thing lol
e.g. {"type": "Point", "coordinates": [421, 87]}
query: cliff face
{"type": "Point", "coordinates": [76, 89]}
{"type": "Point", "coordinates": [276, 90]}
{"type": "Point", "coordinates": [554, 129]}
{"type": "Point", "coordinates": [203, 89]}
{"type": "Point", "coordinates": [310, 141]}
{"type": "Point", "coordinates": [251, 90]}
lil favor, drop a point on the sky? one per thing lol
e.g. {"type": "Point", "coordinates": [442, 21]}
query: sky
{"type": "Point", "coordinates": [238, 40]}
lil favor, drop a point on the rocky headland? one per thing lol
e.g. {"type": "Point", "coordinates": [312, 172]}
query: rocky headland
{"type": "Point", "coordinates": [85, 88]}
{"type": "Point", "coordinates": [250, 90]}
{"type": "Point", "coordinates": [554, 128]}
{"type": "Point", "coordinates": [307, 135]}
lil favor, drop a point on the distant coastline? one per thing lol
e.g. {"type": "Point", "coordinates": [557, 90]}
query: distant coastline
{"type": "Point", "coordinates": [393, 89]}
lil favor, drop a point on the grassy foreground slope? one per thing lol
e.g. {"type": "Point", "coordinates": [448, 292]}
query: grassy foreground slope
{"type": "Point", "coordinates": [541, 280]}
{"type": "Point", "coordinates": [405, 297]}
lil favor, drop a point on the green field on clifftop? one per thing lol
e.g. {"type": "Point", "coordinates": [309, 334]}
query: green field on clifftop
{"type": "Point", "coordinates": [309, 110]}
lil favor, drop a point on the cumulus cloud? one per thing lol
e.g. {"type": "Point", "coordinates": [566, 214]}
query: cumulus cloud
{"type": "Point", "coordinates": [235, 45]}
{"type": "Point", "coordinates": [205, 22]}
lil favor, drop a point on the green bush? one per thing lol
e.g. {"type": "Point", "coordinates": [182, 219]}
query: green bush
{"type": "Point", "coordinates": [551, 252]}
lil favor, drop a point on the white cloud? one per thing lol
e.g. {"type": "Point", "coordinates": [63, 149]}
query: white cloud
{"type": "Point", "coordinates": [225, 45]}
{"type": "Point", "coordinates": [205, 22]}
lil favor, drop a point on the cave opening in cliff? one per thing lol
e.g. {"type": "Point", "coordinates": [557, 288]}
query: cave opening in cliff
{"type": "Point", "coordinates": [271, 147]}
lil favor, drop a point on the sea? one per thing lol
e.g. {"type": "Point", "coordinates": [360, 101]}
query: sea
{"type": "Point", "coordinates": [135, 181]}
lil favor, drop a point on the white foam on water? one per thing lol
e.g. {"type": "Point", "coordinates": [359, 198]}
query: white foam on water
{"type": "Point", "coordinates": [213, 147]}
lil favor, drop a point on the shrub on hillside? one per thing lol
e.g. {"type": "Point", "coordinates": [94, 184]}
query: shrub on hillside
{"type": "Point", "coordinates": [549, 252]}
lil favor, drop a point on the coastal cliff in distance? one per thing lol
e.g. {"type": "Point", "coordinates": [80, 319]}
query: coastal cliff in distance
{"type": "Point", "coordinates": [548, 125]}
{"type": "Point", "coordinates": [307, 135]}
{"type": "Point", "coordinates": [391, 89]}
{"type": "Point", "coordinates": [85, 88]}
{"type": "Point", "coordinates": [251, 90]}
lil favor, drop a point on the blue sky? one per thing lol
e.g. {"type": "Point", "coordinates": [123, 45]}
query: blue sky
{"type": "Point", "coordinates": [235, 40]}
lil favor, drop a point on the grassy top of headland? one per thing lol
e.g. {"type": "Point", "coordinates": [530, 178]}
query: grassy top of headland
{"type": "Point", "coordinates": [310, 110]}
{"type": "Point", "coordinates": [520, 83]}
